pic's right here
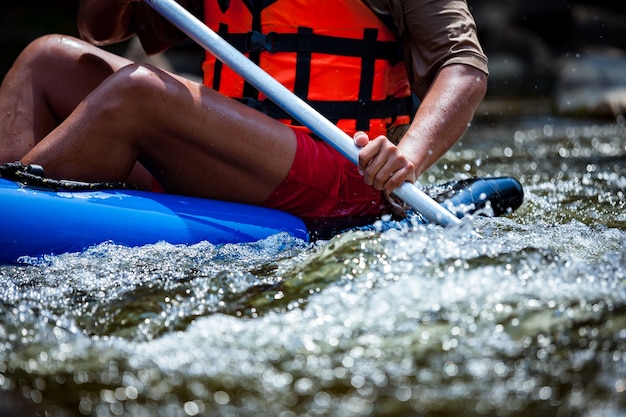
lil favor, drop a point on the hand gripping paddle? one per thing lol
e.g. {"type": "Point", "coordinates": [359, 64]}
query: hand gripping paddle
{"type": "Point", "coordinates": [296, 107]}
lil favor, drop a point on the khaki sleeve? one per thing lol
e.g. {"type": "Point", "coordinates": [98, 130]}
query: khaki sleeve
{"type": "Point", "coordinates": [436, 33]}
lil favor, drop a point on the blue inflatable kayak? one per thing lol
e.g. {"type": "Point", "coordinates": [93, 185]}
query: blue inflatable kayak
{"type": "Point", "coordinates": [36, 221]}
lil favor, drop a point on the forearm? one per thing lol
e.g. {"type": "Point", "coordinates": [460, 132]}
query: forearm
{"type": "Point", "coordinates": [102, 22]}
{"type": "Point", "coordinates": [443, 115]}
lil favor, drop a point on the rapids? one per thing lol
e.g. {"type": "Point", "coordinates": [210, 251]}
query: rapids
{"type": "Point", "coordinates": [522, 315]}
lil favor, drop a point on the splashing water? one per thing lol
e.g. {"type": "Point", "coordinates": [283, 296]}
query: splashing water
{"type": "Point", "coordinates": [516, 316]}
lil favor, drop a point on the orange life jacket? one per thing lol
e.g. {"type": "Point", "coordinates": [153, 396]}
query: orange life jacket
{"type": "Point", "coordinates": [336, 55]}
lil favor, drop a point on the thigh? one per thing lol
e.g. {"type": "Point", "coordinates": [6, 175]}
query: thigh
{"type": "Point", "coordinates": [212, 146]}
{"type": "Point", "coordinates": [68, 69]}
{"type": "Point", "coordinates": [192, 139]}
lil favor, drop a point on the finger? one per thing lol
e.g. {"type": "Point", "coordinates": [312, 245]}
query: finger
{"type": "Point", "coordinates": [388, 168]}
{"type": "Point", "coordinates": [397, 178]}
{"type": "Point", "coordinates": [369, 164]}
{"type": "Point", "coordinates": [361, 139]}
{"type": "Point", "coordinates": [381, 166]}
{"type": "Point", "coordinates": [390, 173]}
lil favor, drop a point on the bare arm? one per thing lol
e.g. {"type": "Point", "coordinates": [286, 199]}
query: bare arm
{"type": "Point", "coordinates": [102, 22]}
{"type": "Point", "coordinates": [443, 116]}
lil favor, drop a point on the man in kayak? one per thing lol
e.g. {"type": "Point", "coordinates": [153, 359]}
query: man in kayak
{"type": "Point", "coordinates": [84, 113]}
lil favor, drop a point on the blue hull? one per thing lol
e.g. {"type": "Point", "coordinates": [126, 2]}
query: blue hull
{"type": "Point", "coordinates": [34, 222]}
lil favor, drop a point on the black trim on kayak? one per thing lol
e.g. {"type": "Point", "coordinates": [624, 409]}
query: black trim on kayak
{"type": "Point", "coordinates": [33, 176]}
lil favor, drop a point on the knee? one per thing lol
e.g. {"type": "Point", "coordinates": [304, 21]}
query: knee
{"type": "Point", "coordinates": [132, 93]}
{"type": "Point", "coordinates": [50, 49]}
{"type": "Point", "coordinates": [142, 82]}
{"type": "Point", "coordinates": [62, 57]}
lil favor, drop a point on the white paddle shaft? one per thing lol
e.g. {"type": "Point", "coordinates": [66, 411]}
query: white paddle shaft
{"type": "Point", "coordinates": [289, 102]}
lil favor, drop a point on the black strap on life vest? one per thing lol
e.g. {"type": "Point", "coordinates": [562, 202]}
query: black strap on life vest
{"type": "Point", "coordinates": [304, 43]}
{"type": "Point", "coordinates": [255, 7]}
{"type": "Point", "coordinates": [304, 49]}
{"type": "Point", "coordinates": [367, 79]}
{"type": "Point", "coordinates": [391, 107]}
{"type": "Point", "coordinates": [217, 69]}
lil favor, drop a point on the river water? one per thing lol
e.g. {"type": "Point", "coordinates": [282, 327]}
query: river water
{"type": "Point", "coordinates": [522, 315]}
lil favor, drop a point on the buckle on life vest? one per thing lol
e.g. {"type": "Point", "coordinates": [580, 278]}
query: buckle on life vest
{"type": "Point", "coordinates": [258, 42]}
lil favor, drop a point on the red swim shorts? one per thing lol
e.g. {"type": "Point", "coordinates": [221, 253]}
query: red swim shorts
{"type": "Point", "coordinates": [322, 183]}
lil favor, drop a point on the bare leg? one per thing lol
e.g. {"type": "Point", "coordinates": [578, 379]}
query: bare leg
{"type": "Point", "coordinates": [194, 140]}
{"type": "Point", "coordinates": [47, 81]}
